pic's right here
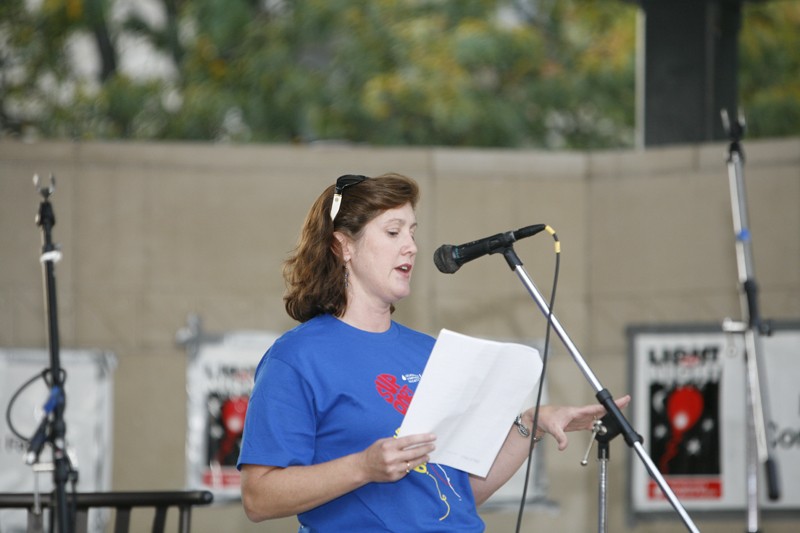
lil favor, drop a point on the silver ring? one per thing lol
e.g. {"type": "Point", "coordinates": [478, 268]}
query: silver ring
{"type": "Point", "coordinates": [408, 467]}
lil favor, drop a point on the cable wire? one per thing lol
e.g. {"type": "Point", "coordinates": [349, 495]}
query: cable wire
{"type": "Point", "coordinates": [545, 357]}
{"type": "Point", "coordinates": [41, 375]}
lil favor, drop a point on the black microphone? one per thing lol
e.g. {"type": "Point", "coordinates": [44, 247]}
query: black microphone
{"type": "Point", "coordinates": [449, 258]}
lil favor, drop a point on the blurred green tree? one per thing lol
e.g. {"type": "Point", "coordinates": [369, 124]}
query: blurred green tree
{"type": "Point", "coordinates": [770, 68]}
{"type": "Point", "coordinates": [504, 73]}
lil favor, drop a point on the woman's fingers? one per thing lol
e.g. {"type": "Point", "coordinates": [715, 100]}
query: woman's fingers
{"type": "Point", "coordinates": [390, 459]}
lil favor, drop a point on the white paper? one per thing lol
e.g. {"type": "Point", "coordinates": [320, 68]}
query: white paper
{"type": "Point", "coordinates": [469, 395]}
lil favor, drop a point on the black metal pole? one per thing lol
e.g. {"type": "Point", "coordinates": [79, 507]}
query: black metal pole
{"type": "Point", "coordinates": [58, 428]}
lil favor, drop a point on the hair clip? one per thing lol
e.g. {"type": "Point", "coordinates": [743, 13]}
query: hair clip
{"type": "Point", "coordinates": [343, 182]}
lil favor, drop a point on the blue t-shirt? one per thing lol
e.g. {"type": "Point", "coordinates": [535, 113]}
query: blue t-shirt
{"type": "Point", "coordinates": [325, 390]}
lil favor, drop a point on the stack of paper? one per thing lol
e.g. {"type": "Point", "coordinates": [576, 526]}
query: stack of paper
{"type": "Point", "coordinates": [469, 394]}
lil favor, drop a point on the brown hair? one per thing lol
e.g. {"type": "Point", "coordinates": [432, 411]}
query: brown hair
{"type": "Point", "coordinates": [314, 272]}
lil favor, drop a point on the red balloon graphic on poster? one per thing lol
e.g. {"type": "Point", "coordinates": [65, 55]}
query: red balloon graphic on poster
{"type": "Point", "coordinates": [684, 407]}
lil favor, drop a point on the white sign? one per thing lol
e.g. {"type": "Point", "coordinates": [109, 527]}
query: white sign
{"type": "Point", "coordinates": [689, 404]}
{"type": "Point", "coordinates": [88, 388]}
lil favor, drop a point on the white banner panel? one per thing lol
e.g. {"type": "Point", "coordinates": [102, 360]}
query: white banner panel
{"type": "Point", "coordinates": [88, 415]}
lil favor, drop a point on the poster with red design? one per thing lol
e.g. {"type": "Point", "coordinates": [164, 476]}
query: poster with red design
{"type": "Point", "coordinates": [219, 380]}
{"type": "Point", "coordinates": [689, 405]}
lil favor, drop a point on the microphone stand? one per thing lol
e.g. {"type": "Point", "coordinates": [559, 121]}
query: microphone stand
{"type": "Point", "coordinates": [56, 432]}
{"type": "Point", "coordinates": [603, 431]}
{"type": "Point", "coordinates": [602, 394]}
{"type": "Point", "coordinates": [751, 327]}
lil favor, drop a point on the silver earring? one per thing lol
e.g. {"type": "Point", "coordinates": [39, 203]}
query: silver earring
{"type": "Point", "coordinates": [346, 277]}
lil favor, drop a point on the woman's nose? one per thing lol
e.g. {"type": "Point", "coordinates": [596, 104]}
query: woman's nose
{"type": "Point", "coordinates": [411, 245]}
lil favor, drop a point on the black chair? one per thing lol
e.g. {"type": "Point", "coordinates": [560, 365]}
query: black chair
{"type": "Point", "coordinates": [121, 502]}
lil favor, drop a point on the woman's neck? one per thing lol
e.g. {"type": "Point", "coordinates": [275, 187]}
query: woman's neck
{"type": "Point", "coordinates": [368, 318]}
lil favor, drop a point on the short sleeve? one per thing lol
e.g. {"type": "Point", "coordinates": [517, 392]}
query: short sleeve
{"type": "Point", "coordinates": [280, 424]}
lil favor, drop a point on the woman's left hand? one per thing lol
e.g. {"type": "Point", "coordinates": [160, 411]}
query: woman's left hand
{"type": "Point", "coordinates": [557, 420]}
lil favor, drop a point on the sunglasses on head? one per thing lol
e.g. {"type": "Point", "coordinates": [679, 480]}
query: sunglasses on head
{"type": "Point", "coordinates": [342, 183]}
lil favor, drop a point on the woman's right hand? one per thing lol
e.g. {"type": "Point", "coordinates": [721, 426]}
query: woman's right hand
{"type": "Point", "coordinates": [393, 458]}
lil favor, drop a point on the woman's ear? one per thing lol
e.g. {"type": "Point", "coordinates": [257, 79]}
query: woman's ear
{"type": "Point", "coordinates": [341, 246]}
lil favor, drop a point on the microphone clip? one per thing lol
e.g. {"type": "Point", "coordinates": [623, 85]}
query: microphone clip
{"type": "Point", "coordinates": [43, 432]}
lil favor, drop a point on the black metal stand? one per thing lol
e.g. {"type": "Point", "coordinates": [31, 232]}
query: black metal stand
{"type": "Point", "coordinates": [53, 428]}
{"type": "Point", "coordinates": [604, 431]}
{"type": "Point", "coordinates": [603, 396]}
{"type": "Point", "coordinates": [751, 328]}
